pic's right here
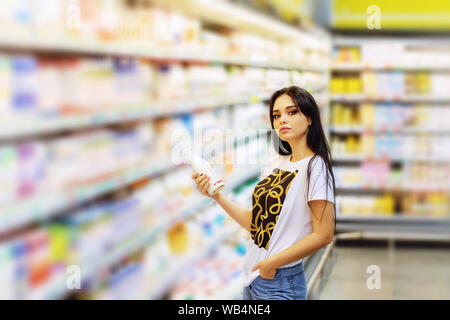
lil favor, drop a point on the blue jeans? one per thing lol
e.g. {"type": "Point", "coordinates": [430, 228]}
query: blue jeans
{"type": "Point", "coordinates": [289, 284]}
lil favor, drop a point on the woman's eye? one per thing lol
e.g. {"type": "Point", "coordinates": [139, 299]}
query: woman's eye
{"type": "Point", "coordinates": [275, 116]}
{"type": "Point", "coordinates": [293, 112]}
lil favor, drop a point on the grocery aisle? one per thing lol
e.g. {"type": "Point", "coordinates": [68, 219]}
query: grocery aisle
{"type": "Point", "coordinates": [102, 100]}
{"type": "Point", "coordinates": [406, 272]}
{"type": "Point", "coordinates": [100, 103]}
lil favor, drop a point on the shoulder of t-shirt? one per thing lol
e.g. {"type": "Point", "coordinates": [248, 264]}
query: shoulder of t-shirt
{"type": "Point", "coordinates": [273, 163]}
{"type": "Point", "coordinates": [318, 165]}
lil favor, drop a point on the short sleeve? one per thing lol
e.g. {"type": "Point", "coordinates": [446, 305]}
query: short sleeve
{"type": "Point", "coordinates": [319, 189]}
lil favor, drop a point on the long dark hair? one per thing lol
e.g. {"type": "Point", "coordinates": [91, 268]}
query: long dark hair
{"type": "Point", "coordinates": [316, 139]}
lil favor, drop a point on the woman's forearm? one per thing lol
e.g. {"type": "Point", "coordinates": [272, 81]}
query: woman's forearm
{"type": "Point", "coordinates": [301, 249]}
{"type": "Point", "coordinates": [239, 214]}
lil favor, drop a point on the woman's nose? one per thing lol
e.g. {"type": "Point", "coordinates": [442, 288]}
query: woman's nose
{"type": "Point", "coordinates": [282, 119]}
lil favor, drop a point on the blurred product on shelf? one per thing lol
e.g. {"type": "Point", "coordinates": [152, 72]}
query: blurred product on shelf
{"type": "Point", "coordinates": [383, 53]}
{"type": "Point", "coordinates": [96, 99]}
{"type": "Point", "coordinates": [250, 116]}
{"type": "Point", "coordinates": [97, 236]}
{"type": "Point", "coordinates": [396, 148]}
{"type": "Point", "coordinates": [163, 265]}
{"type": "Point", "coordinates": [346, 85]}
{"type": "Point", "coordinates": [140, 25]}
{"type": "Point", "coordinates": [42, 166]}
{"type": "Point", "coordinates": [365, 205]}
{"type": "Point", "coordinates": [433, 204]}
{"type": "Point", "coordinates": [217, 277]}
{"type": "Point", "coordinates": [379, 175]}
{"type": "Point", "coordinates": [392, 84]}
{"type": "Point", "coordinates": [37, 175]}
{"type": "Point", "coordinates": [389, 133]}
{"type": "Point", "coordinates": [45, 94]}
{"type": "Point", "coordinates": [388, 117]}
{"type": "Point", "coordinates": [346, 55]}
{"type": "Point", "coordinates": [414, 204]}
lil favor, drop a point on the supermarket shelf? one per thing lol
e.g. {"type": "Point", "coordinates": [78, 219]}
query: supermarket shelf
{"type": "Point", "coordinates": [358, 98]}
{"type": "Point", "coordinates": [42, 207]}
{"type": "Point", "coordinates": [46, 126]}
{"type": "Point", "coordinates": [403, 131]}
{"type": "Point", "coordinates": [393, 236]}
{"type": "Point", "coordinates": [167, 283]}
{"type": "Point", "coordinates": [395, 223]}
{"type": "Point", "coordinates": [359, 158]}
{"type": "Point", "coordinates": [433, 41]}
{"type": "Point", "coordinates": [235, 16]}
{"type": "Point", "coordinates": [351, 67]}
{"type": "Point", "coordinates": [394, 217]}
{"type": "Point", "coordinates": [177, 271]}
{"type": "Point", "coordinates": [140, 51]}
{"type": "Point", "coordinates": [405, 188]}
{"type": "Point", "coordinates": [139, 241]}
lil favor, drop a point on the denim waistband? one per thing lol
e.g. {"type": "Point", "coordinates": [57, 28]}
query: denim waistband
{"type": "Point", "coordinates": [289, 271]}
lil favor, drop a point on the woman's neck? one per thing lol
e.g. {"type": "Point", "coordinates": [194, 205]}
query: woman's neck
{"type": "Point", "coordinates": [300, 151]}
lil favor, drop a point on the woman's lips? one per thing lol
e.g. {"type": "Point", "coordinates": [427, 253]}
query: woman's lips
{"type": "Point", "coordinates": [284, 129]}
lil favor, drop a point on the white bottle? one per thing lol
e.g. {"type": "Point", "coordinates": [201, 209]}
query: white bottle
{"type": "Point", "coordinates": [200, 166]}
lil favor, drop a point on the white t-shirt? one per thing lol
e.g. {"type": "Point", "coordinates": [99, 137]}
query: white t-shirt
{"type": "Point", "coordinates": [280, 212]}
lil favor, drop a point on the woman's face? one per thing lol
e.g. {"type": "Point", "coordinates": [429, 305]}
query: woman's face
{"type": "Point", "coordinates": [289, 123]}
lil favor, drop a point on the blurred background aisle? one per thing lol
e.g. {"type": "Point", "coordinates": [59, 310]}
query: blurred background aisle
{"type": "Point", "coordinates": [407, 271]}
{"type": "Point", "coordinates": [97, 98]}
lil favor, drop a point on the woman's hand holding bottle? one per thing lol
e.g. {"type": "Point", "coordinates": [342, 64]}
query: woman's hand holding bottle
{"type": "Point", "coordinates": [203, 183]}
{"type": "Point", "coordinates": [208, 182]}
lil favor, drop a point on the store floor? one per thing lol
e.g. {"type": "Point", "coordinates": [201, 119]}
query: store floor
{"type": "Point", "coordinates": [405, 273]}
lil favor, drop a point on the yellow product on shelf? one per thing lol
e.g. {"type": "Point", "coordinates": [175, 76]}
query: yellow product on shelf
{"type": "Point", "coordinates": [60, 238]}
{"type": "Point", "coordinates": [355, 55]}
{"type": "Point", "coordinates": [423, 82]}
{"type": "Point", "coordinates": [388, 204]}
{"type": "Point", "coordinates": [420, 116]}
{"type": "Point", "coordinates": [178, 238]}
{"type": "Point", "coordinates": [433, 201]}
{"type": "Point", "coordinates": [337, 114]}
{"type": "Point", "coordinates": [353, 85]}
{"type": "Point", "coordinates": [337, 85]}
{"type": "Point", "coordinates": [356, 117]}
{"type": "Point", "coordinates": [378, 206]}
{"type": "Point", "coordinates": [366, 207]}
{"type": "Point", "coordinates": [406, 204]}
{"type": "Point", "coordinates": [352, 145]}
{"type": "Point", "coordinates": [347, 116]}
{"type": "Point", "coordinates": [437, 203]}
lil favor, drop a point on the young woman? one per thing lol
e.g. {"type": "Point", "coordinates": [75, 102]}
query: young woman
{"type": "Point", "coordinates": [293, 205]}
